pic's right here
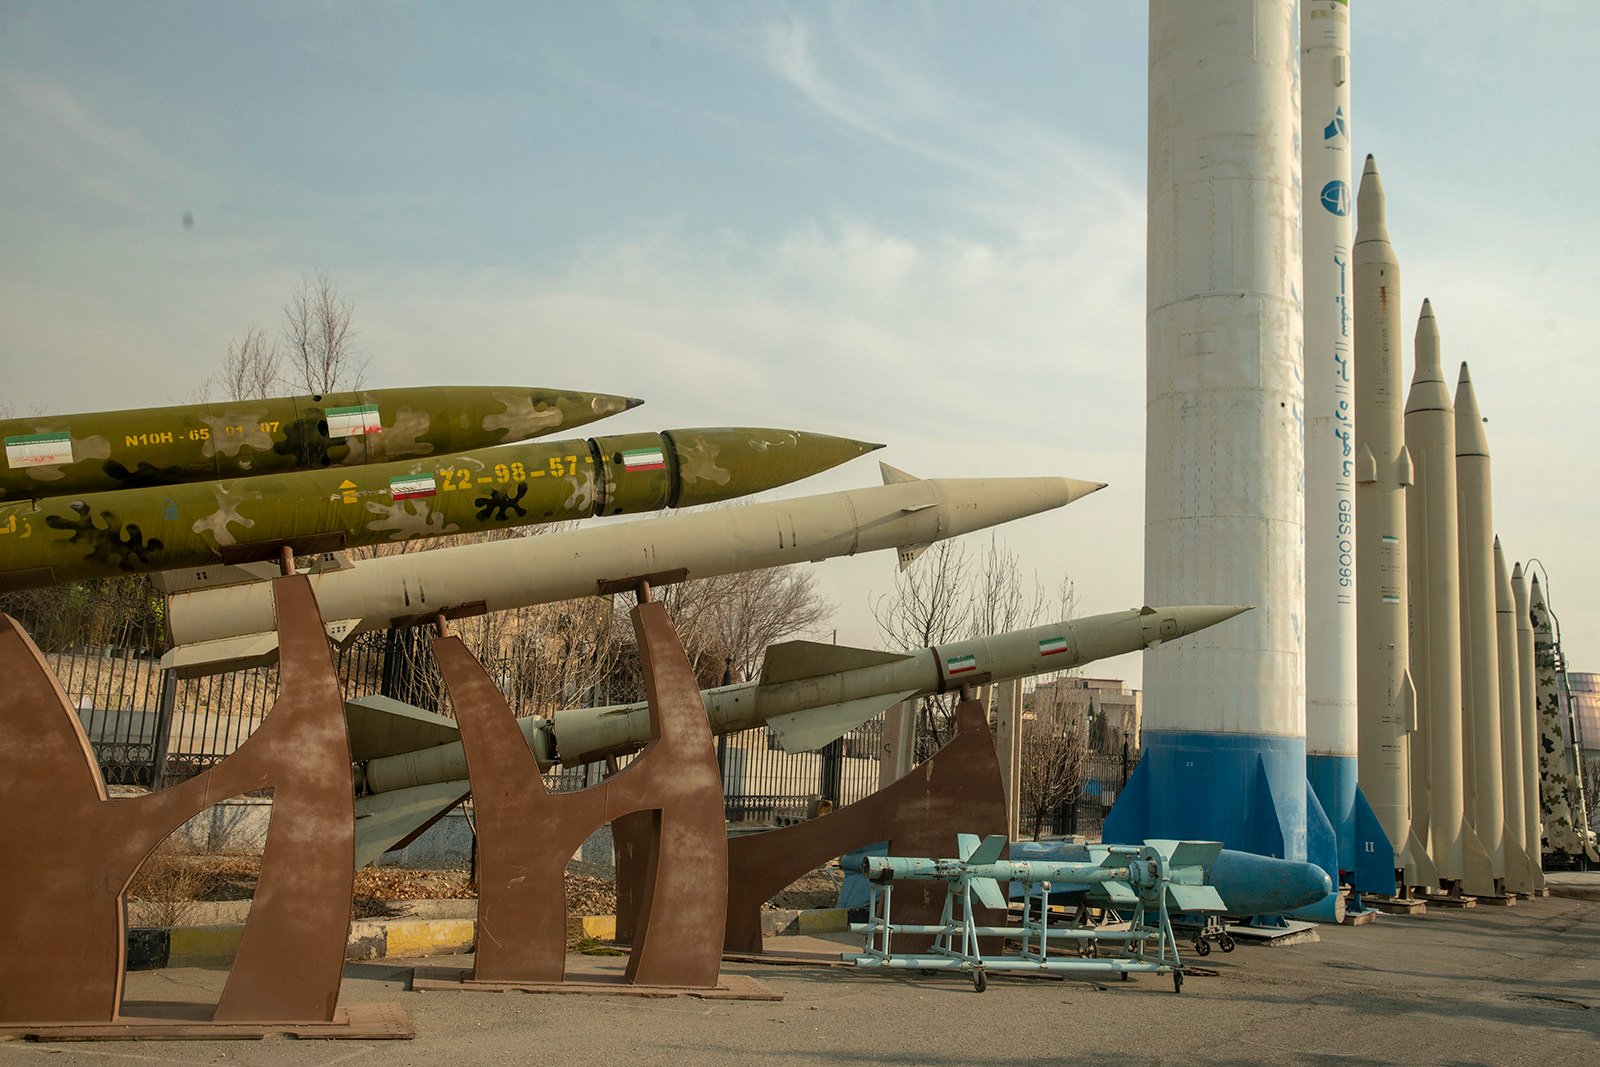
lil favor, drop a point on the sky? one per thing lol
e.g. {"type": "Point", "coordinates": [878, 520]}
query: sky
{"type": "Point", "coordinates": [915, 223]}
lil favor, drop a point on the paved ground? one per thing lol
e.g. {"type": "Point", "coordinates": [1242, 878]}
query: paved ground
{"type": "Point", "coordinates": [1487, 986]}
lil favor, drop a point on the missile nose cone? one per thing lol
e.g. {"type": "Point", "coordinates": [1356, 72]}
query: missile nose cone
{"type": "Point", "coordinates": [722, 463]}
{"type": "Point", "coordinates": [630, 402]}
{"type": "Point", "coordinates": [1370, 200]}
{"type": "Point", "coordinates": [979, 503]}
{"type": "Point", "coordinates": [1167, 624]}
{"type": "Point", "coordinates": [1516, 572]}
{"type": "Point", "coordinates": [1470, 437]}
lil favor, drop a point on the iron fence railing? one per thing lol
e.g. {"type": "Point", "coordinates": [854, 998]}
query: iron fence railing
{"type": "Point", "coordinates": [149, 728]}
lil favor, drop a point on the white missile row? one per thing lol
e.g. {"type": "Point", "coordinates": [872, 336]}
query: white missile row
{"type": "Point", "coordinates": [1446, 707]}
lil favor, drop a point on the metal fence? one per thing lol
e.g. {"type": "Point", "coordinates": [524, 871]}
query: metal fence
{"type": "Point", "coordinates": [149, 728]}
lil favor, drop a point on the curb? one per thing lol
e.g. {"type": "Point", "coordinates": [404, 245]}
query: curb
{"type": "Point", "coordinates": [153, 947]}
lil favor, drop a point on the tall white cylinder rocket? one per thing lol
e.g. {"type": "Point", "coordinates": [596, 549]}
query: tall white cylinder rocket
{"type": "Point", "coordinates": [1387, 713]}
{"type": "Point", "coordinates": [1528, 707]}
{"type": "Point", "coordinates": [1480, 649]}
{"type": "Point", "coordinates": [1224, 734]}
{"type": "Point", "coordinates": [1331, 733]}
{"type": "Point", "coordinates": [1519, 866]}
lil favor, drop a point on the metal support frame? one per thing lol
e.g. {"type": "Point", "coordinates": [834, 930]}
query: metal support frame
{"type": "Point", "coordinates": [956, 945]}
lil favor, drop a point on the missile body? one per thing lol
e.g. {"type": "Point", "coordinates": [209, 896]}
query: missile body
{"type": "Point", "coordinates": [247, 520]}
{"type": "Point", "coordinates": [1387, 709]}
{"type": "Point", "coordinates": [1528, 709]}
{"type": "Point", "coordinates": [1520, 865]}
{"type": "Point", "coordinates": [907, 514]}
{"type": "Point", "coordinates": [810, 693]}
{"type": "Point", "coordinates": [1480, 650]}
{"type": "Point", "coordinates": [1331, 410]}
{"type": "Point", "coordinates": [1433, 556]}
{"type": "Point", "coordinates": [1224, 722]}
{"type": "Point", "coordinates": [1565, 809]}
{"type": "Point", "coordinates": [59, 455]}
{"type": "Point", "coordinates": [1250, 884]}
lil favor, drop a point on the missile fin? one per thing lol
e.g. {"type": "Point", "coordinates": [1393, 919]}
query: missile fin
{"type": "Point", "coordinates": [894, 475]}
{"type": "Point", "coordinates": [1194, 898]}
{"type": "Point", "coordinates": [385, 820]}
{"type": "Point", "coordinates": [1116, 892]}
{"type": "Point", "coordinates": [794, 660]}
{"type": "Point", "coordinates": [909, 554]}
{"type": "Point", "coordinates": [1195, 853]}
{"type": "Point", "coordinates": [966, 845]}
{"type": "Point", "coordinates": [809, 730]}
{"type": "Point", "coordinates": [225, 654]}
{"type": "Point", "coordinates": [989, 851]}
{"type": "Point", "coordinates": [222, 574]}
{"type": "Point", "coordinates": [988, 892]}
{"type": "Point", "coordinates": [1408, 702]}
{"type": "Point", "coordinates": [382, 726]}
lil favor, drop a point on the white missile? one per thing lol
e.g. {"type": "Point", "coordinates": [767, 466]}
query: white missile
{"type": "Point", "coordinates": [1519, 864]}
{"type": "Point", "coordinates": [1387, 701]}
{"type": "Point", "coordinates": [411, 767]}
{"type": "Point", "coordinates": [1480, 654]}
{"type": "Point", "coordinates": [1528, 709]}
{"type": "Point", "coordinates": [1433, 554]}
{"type": "Point", "coordinates": [221, 629]}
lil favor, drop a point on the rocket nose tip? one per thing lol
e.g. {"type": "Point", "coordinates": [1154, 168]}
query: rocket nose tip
{"type": "Point", "coordinates": [630, 402]}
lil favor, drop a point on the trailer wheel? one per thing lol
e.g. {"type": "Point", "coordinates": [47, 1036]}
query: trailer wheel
{"type": "Point", "coordinates": [1202, 947]}
{"type": "Point", "coordinates": [980, 981]}
{"type": "Point", "coordinates": [1177, 981]}
{"type": "Point", "coordinates": [1226, 941]}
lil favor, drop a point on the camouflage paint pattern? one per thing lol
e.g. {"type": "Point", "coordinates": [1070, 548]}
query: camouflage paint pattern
{"type": "Point", "coordinates": [241, 520]}
{"type": "Point", "coordinates": [62, 455]}
{"type": "Point", "coordinates": [1561, 797]}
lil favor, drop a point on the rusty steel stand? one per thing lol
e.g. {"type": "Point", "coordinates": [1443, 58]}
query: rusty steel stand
{"type": "Point", "coordinates": [71, 853]}
{"type": "Point", "coordinates": [527, 835]}
{"type": "Point", "coordinates": [957, 790]}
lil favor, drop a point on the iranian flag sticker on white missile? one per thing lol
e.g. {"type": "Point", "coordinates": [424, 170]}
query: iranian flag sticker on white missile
{"type": "Point", "coordinates": [961, 664]}
{"type": "Point", "coordinates": [357, 421]}
{"type": "Point", "coordinates": [1052, 646]}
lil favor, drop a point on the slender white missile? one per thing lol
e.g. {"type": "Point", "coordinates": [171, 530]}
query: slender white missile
{"type": "Point", "coordinates": [1480, 654]}
{"type": "Point", "coordinates": [1519, 865]}
{"type": "Point", "coordinates": [810, 693]}
{"type": "Point", "coordinates": [1387, 701]}
{"type": "Point", "coordinates": [411, 767]}
{"type": "Point", "coordinates": [1433, 553]}
{"type": "Point", "coordinates": [221, 629]}
{"type": "Point", "coordinates": [1332, 718]}
{"type": "Point", "coordinates": [1528, 708]}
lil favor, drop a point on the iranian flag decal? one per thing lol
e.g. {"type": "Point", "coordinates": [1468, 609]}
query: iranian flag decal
{"type": "Point", "coordinates": [961, 664]}
{"type": "Point", "coordinates": [643, 459]}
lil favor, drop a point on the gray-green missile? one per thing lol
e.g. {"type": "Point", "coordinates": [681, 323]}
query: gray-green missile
{"type": "Point", "coordinates": [412, 766]}
{"type": "Point", "coordinates": [210, 526]}
{"type": "Point", "coordinates": [94, 452]}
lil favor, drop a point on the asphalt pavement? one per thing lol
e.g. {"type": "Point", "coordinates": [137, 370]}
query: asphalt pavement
{"type": "Point", "coordinates": [1485, 986]}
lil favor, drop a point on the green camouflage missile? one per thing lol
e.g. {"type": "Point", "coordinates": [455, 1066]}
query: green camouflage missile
{"type": "Point", "coordinates": [61, 455]}
{"type": "Point", "coordinates": [191, 528]}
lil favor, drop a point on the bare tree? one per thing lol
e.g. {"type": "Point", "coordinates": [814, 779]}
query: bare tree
{"type": "Point", "coordinates": [1055, 752]}
{"type": "Point", "coordinates": [320, 341]}
{"type": "Point", "coordinates": [250, 370]}
{"type": "Point", "coordinates": [754, 609]}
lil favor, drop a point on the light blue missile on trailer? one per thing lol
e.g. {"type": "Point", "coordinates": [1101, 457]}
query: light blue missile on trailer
{"type": "Point", "coordinates": [1251, 885]}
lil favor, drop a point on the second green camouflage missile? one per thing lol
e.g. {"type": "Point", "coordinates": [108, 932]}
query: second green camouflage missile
{"type": "Point", "coordinates": [248, 520]}
{"type": "Point", "coordinates": [59, 455]}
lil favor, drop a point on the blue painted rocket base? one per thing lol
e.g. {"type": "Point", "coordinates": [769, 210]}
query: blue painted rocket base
{"type": "Point", "coordinates": [1333, 780]}
{"type": "Point", "coordinates": [1246, 790]}
{"type": "Point", "coordinates": [1321, 849]}
{"type": "Point", "coordinates": [1375, 858]}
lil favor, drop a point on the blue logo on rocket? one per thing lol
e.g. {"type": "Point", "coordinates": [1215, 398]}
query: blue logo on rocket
{"type": "Point", "coordinates": [1336, 128]}
{"type": "Point", "coordinates": [1336, 197]}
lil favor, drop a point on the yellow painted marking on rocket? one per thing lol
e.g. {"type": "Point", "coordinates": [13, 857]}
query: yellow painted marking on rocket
{"type": "Point", "coordinates": [347, 489]}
